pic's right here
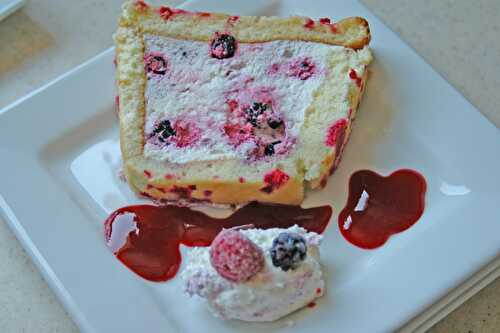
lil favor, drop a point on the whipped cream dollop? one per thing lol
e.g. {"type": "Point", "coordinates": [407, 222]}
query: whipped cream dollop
{"type": "Point", "coordinates": [268, 295]}
{"type": "Point", "coordinates": [202, 97]}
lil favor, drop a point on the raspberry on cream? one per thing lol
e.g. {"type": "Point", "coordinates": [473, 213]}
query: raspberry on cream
{"type": "Point", "coordinates": [288, 278]}
{"type": "Point", "coordinates": [235, 257]}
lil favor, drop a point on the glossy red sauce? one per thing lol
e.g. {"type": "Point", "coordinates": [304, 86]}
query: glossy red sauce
{"type": "Point", "coordinates": [146, 238]}
{"type": "Point", "coordinates": [378, 207]}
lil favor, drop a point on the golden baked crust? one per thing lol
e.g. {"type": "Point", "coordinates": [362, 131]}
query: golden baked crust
{"type": "Point", "coordinates": [352, 32]}
{"type": "Point", "coordinates": [160, 181]}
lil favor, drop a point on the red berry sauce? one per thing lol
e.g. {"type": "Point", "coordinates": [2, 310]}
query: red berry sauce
{"type": "Point", "coordinates": [378, 207]}
{"type": "Point", "coordinates": [146, 238]}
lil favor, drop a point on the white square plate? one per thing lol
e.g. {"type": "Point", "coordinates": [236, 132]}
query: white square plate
{"type": "Point", "coordinates": [60, 156]}
{"type": "Point", "coordinates": [7, 7]}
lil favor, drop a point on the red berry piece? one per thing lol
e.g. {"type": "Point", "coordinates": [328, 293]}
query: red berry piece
{"type": "Point", "coordinates": [274, 180]}
{"type": "Point", "coordinates": [277, 178]}
{"type": "Point", "coordinates": [335, 131]}
{"type": "Point", "coordinates": [141, 5]}
{"type": "Point", "coordinates": [181, 191]}
{"type": "Point", "coordinates": [167, 13]}
{"type": "Point", "coordinates": [302, 68]}
{"type": "Point", "coordinates": [232, 19]}
{"type": "Point", "coordinates": [309, 24]}
{"type": "Point", "coordinates": [235, 257]}
{"type": "Point", "coordinates": [186, 133]}
{"type": "Point", "coordinates": [238, 133]}
{"type": "Point", "coordinates": [353, 75]}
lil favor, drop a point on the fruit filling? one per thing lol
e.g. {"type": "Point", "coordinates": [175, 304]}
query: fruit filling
{"type": "Point", "coordinates": [224, 99]}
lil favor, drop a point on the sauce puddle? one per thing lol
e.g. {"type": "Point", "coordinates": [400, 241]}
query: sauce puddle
{"type": "Point", "coordinates": [378, 207]}
{"type": "Point", "coordinates": [146, 238]}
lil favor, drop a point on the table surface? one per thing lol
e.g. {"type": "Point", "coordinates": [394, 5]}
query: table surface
{"type": "Point", "coordinates": [459, 38]}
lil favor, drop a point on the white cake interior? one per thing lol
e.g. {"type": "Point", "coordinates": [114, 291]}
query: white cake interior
{"type": "Point", "coordinates": [196, 90]}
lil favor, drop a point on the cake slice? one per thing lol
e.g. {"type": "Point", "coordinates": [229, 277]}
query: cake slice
{"type": "Point", "coordinates": [232, 109]}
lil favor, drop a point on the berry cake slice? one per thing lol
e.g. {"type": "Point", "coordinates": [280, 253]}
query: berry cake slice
{"type": "Point", "coordinates": [233, 109]}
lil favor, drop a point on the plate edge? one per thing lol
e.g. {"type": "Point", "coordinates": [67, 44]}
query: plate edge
{"type": "Point", "coordinates": [43, 267]}
{"type": "Point", "coordinates": [453, 299]}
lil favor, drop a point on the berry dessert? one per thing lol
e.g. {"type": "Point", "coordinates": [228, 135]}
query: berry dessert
{"type": "Point", "coordinates": [230, 109]}
{"type": "Point", "coordinates": [256, 274]}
